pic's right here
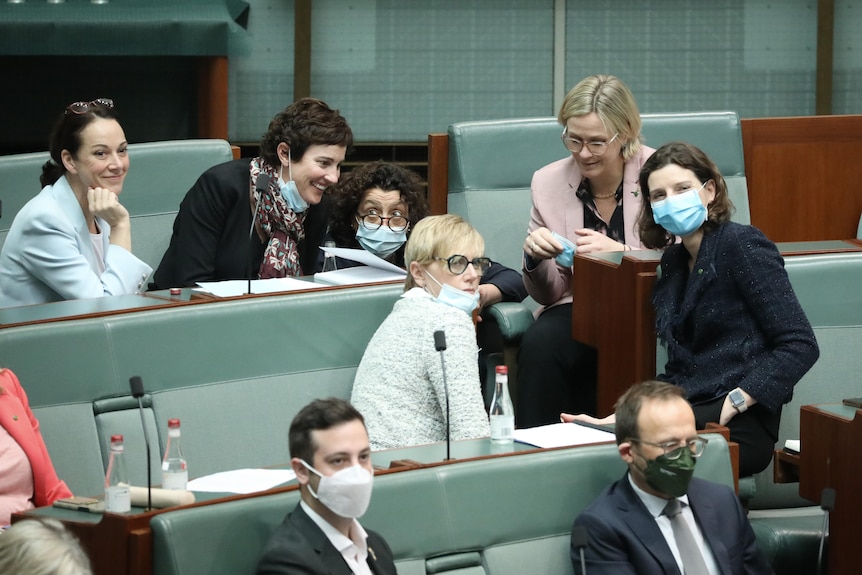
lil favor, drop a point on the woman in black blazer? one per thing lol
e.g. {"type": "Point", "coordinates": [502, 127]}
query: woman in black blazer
{"type": "Point", "coordinates": [737, 339]}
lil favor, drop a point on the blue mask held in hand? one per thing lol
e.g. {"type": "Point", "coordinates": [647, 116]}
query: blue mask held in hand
{"type": "Point", "coordinates": [454, 297]}
{"type": "Point", "coordinates": [682, 214]}
{"type": "Point", "coordinates": [567, 257]}
{"type": "Point", "coordinates": [289, 191]}
{"type": "Point", "coordinates": [381, 242]}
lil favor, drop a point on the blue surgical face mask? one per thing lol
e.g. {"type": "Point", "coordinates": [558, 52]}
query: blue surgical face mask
{"type": "Point", "coordinates": [289, 191]}
{"type": "Point", "coordinates": [682, 214]}
{"type": "Point", "coordinates": [459, 299]}
{"type": "Point", "coordinates": [566, 258]}
{"type": "Point", "coordinates": [381, 242]}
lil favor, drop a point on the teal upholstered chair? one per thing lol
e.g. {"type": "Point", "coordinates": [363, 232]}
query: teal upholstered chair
{"type": "Point", "coordinates": [160, 174]}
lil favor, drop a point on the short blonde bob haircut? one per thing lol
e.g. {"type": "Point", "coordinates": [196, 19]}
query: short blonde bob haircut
{"type": "Point", "coordinates": [613, 103]}
{"type": "Point", "coordinates": [440, 236]}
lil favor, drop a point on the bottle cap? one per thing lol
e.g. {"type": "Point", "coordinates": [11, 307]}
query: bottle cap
{"type": "Point", "coordinates": [116, 438]}
{"type": "Point", "coordinates": [502, 369]}
{"type": "Point", "coordinates": [173, 422]}
{"type": "Point", "coordinates": [176, 291]}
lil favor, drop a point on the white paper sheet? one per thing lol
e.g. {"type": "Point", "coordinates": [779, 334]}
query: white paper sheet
{"type": "Point", "coordinates": [241, 480]}
{"type": "Point", "coordinates": [561, 435]}
{"type": "Point", "coordinates": [230, 288]}
{"type": "Point", "coordinates": [364, 257]}
{"type": "Point", "coordinates": [359, 275]}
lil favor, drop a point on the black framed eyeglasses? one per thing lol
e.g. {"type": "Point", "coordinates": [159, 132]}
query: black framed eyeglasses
{"type": "Point", "coordinates": [457, 264]}
{"type": "Point", "coordinates": [596, 147]}
{"type": "Point", "coordinates": [85, 107]}
{"type": "Point", "coordinates": [373, 222]}
{"type": "Point", "coordinates": [673, 450]}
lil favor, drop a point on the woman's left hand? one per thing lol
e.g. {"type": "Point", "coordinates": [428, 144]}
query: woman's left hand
{"type": "Point", "coordinates": [727, 412]}
{"type": "Point", "coordinates": [590, 241]}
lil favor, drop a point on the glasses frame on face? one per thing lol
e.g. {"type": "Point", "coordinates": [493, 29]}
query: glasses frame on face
{"type": "Point", "coordinates": [457, 264]}
{"type": "Point", "coordinates": [673, 450]}
{"type": "Point", "coordinates": [84, 107]}
{"type": "Point", "coordinates": [363, 220]}
{"type": "Point", "coordinates": [596, 147]}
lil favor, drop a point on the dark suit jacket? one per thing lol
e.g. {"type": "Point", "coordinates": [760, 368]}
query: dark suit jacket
{"type": "Point", "coordinates": [298, 546]}
{"type": "Point", "coordinates": [625, 539]}
{"type": "Point", "coordinates": [210, 239]}
{"type": "Point", "coordinates": [734, 321]}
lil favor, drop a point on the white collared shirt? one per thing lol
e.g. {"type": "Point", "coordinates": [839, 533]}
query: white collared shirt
{"type": "Point", "coordinates": [354, 549]}
{"type": "Point", "coordinates": [655, 505]}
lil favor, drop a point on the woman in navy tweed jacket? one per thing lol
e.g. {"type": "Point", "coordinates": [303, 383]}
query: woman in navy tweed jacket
{"type": "Point", "coordinates": [725, 309]}
{"type": "Point", "coordinates": [724, 306]}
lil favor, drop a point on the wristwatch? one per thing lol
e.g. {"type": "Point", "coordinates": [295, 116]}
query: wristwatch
{"type": "Point", "coordinates": [737, 400]}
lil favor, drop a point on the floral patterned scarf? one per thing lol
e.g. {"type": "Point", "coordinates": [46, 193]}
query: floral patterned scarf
{"type": "Point", "coordinates": [282, 226]}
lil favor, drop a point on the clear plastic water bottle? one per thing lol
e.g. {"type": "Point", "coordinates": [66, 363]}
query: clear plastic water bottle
{"type": "Point", "coordinates": [329, 263]}
{"type": "Point", "coordinates": [175, 472]}
{"type": "Point", "coordinates": [117, 496]}
{"type": "Point", "coordinates": [502, 412]}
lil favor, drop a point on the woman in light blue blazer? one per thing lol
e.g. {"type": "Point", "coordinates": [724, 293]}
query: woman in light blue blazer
{"type": "Point", "coordinates": [73, 240]}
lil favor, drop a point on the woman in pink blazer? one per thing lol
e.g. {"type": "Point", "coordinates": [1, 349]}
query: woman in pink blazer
{"type": "Point", "coordinates": [587, 202]}
{"type": "Point", "coordinates": [27, 477]}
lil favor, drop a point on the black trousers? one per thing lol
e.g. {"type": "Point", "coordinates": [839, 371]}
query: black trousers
{"type": "Point", "coordinates": [555, 373]}
{"type": "Point", "coordinates": [755, 430]}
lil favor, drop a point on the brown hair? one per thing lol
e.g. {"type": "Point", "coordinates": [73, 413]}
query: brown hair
{"type": "Point", "coordinates": [347, 194]}
{"type": "Point", "coordinates": [629, 405]}
{"type": "Point", "coordinates": [318, 415]}
{"type": "Point", "coordinates": [305, 123]}
{"type": "Point", "coordinates": [691, 158]}
{"type": "Point", "coordinates": [66, 135]}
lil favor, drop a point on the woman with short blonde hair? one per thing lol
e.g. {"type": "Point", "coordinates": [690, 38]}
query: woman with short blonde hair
{"type": "Point", "coordinates": [399, 387]}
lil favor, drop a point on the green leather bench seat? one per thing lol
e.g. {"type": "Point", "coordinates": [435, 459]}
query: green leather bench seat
{"type": "Point", "coordinates": [160, 174]}
{"type": "Point", "coordinates": [492, 191]}
{"type": "Point", "coordinates": [491, 165]}
{"type": "Point", "coordinates": [501, 516]}
{"type": "Point", "coordinates": [235, 373]}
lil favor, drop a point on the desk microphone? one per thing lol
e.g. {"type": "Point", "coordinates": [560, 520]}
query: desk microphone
{"type": "Point", "coordinates": [137, 386]}
{"type": "Point", "coordinates": [261, 186]}
{"type": "Point", "coordinates": [827, 504]}
{"type": "Point", "coordinates": [580, 539]}
{"type": "Point", "coordinates": [440, 345]}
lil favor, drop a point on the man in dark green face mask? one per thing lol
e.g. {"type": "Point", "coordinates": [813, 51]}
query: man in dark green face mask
{"type": "Point", "coordinates": [658, 518]}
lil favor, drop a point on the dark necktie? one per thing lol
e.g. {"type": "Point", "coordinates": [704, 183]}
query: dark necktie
{"type": "Point", "coordinates": [692, 558]}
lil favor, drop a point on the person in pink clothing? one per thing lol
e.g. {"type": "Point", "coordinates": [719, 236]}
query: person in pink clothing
{"type": "Point", "coordinates": [27, 477]}
{"type": "Point", "coordinates": [587, 202]}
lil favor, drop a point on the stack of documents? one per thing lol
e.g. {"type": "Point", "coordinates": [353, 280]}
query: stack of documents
{"type": "Point", "coordinates": [374, 269]}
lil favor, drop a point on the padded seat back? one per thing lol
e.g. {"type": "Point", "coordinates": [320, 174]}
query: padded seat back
{"type": "Point", "coordinates": [466, 518]}
{"type": "Point", "coordinates": [160, 174]}
{"type": "Point", "coordinates": [827, 286]}
{"type": "Point", "coordinates": [235, 373]}
{"type": "Point", "coordinates": [491, 165]}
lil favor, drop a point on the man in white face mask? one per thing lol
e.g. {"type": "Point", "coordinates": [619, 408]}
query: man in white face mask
{"type": "Point", "coordinates": [331, 456]}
